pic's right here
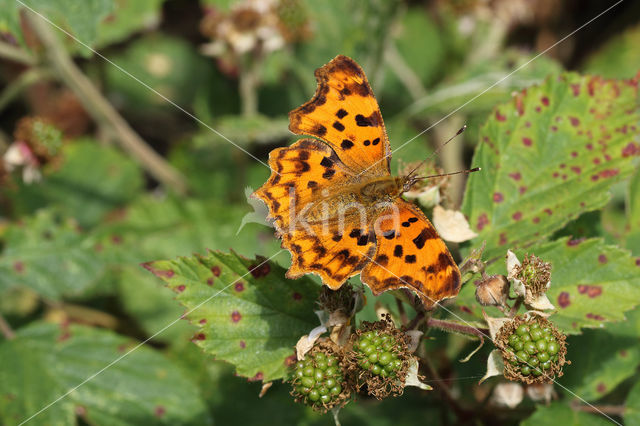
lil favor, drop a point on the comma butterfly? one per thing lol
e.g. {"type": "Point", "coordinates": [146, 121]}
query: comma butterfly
{"type": "Point", "coordinates": [335, 204]}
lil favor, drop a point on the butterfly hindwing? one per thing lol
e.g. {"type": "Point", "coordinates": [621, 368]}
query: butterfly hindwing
{"type": "Point", "coordinates": [345, 114]}
{"type": "Point", "coordinates": [334, 252]}
{"type": "Point", "coordinates": [299, 175]}
{"type": "Point", "coordinates": [410, 254]}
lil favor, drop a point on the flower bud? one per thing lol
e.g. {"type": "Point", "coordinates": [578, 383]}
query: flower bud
{"type": "Point", "coordinates": [492, 290]}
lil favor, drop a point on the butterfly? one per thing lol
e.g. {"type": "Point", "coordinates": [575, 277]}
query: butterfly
{"type": "Point", "coordinates": [335, 204]}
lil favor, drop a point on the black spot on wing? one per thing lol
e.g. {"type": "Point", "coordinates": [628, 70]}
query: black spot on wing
{"type": "Point", "coordinates": [397, 251]}
{"type": "Point", "coordinates": [372, 120]}
{"type": "Point", "coordinates": [319, 130]}
{"type": "Point", "coordinates": [341, 113]}
{"type": "Point", "coordinates": [423, 236]}
{"type": "Point", "coordinates": [410, 258]}
{"type": "Point", "coordinates": [338, 126]}
{"type": "Point", "coordinates": [312, 184]}
{"type": "Point", "coordinates": [346, 144]}
{"type": "Point", "coordinates": [326, 162]}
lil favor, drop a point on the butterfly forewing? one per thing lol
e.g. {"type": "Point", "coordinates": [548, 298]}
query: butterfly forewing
{"type": "Point", "coordinates": [345, 114]}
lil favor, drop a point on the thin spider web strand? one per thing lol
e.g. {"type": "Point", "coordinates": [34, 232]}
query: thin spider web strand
{"type": "Point", "coordinates": [496, 83]}
{"type": "Point", "coordinates": [489, 337]}
{"type": "Point", "coordinates": [147, 86]}
{"type": "Point", "coordinates": [94, 375]}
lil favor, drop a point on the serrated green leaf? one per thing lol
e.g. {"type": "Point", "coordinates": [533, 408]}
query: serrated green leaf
{"type": "Point", "coordinates": [152, 305]}
{"type": "Point", "coordinates": [248, 313]}
{"type": "Point", "coordinates": [591, 283]}
{"type": "Point", "coordinates": [50, 256]}
{"type": "Point", "coordinates": [558, 413]}
{"type": "Point", "coordinates": [548, 156]}
{"type": "Point", "coordinates": [91, 181]}
{"type": "Point", "coordinates": [45, 360]}
{"type": "Point", "coordinates": [612, 357]}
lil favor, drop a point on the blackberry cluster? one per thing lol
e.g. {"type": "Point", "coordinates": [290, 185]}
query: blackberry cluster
{"type": "Point", "coordinates": [534, 351]}
{"type": "Point", "coordinates": [318, 380]}
{"type": "Point", "coordinates": [375, 352]}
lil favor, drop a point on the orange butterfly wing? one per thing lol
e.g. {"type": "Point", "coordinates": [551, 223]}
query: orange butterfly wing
{"type": "Point", "coordinates": [300, 174]}
{"type": "Point", "coordinates": [345, 114]}
{"type": "Point", "coordinates": [303, 174]}
{"type": "Point", "coordinates": [411, 254]}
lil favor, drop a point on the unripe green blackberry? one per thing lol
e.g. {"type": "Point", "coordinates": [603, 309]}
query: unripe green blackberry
{"type": "Point", "coordinates": [532, 348]}
{"type": "Point", "coordinates": [378, 358]}
{"type": "Point", "coordinates": [318, 380]}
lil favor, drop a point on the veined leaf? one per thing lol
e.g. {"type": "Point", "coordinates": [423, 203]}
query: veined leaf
{"type": "Point", "coordinates": [248, 313]}
{"type": "Point", "coordinates": [81, 18]}
{"type": "Point", "coordinates": [613, 356]}
{"type": "Point", "coordinates": [50, 256]}
{"type": "Point", "coordinates": [561, 414]}
{"type": "Point", "coordinates": [45, 360]}
{"type": "Point", "coordinates": [591, 283]}
{"type": "Point", "coordinates": [632, 406]}
{"type": "Point", "coordinates": [550, 155]}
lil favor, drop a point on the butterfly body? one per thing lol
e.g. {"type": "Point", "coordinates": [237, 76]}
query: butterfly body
{"type": "Point", "coordinates": [335, 204]}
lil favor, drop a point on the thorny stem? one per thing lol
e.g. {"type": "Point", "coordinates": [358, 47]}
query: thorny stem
{"type": "Point", "coordinates": [102, 111]}
{"type": "Point", "coordinates": [458, 328]}
{"type": "Point", "coordinates": [6, 329]}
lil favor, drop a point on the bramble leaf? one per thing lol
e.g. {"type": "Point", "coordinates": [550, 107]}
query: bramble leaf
{"type": "Point", "coordinates": [618, 57]}
{"type": "Point", "coordinates": [44, 361]}
{"type": "Point", "coordinates": [632, 406]}
{"type": "Point", "coordinates": [591, 283]}
{"type": "Point", "coordinates": [248, 313]}
{"type": "Point", "coordinates": [549, 155]}
{"type": "Point", "coordinates": [561, 414]}
{"type": "Point", "coordinates": [80, 18]}
{"type": "Point", "coordinates": [91, 181]}
{"type": "Point", "coordinates": [613, 356]}
{"type": "Point", "coordinates": [51, 256]}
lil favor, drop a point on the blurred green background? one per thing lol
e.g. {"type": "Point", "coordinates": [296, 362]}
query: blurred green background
{"type": "Point", "coordinates": [206, 86]}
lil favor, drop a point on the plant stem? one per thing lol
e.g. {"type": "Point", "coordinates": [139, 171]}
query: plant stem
{"type": "Point", "coordinates": [458, 328]}
{"type": "Point", "coordinates": [248, 86]}
{"type": "Point", "coordinates": [24, 80]}
{"type": "Point", "coordinates": [16, 54]}
{"type": "Point", "coordinates": [6, 329]}
{"type": "Point", "coordinates": [102, 111]}
{"type": "Point", "coordinates": [444, 390]}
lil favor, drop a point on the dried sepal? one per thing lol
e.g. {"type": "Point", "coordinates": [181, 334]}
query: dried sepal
{"type": "Point", "coordinates": [530, 280]}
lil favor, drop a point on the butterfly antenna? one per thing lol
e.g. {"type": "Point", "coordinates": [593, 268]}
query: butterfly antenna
{"type": "Point", "coordinates": [475, 169]}
{"type": "Point", "coordinates": [462, 129]}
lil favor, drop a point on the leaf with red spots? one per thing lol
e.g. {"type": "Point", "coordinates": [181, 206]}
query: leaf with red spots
{"type": "Point", "coordinates": [592, 283]}
{"type": "Point", "coordinates": [45, 360]}
{"type": "Point", "coordinates": [612, 357]}
{"type": "Point", "coordinates": [253, 315]}
{"type": "Point", "coordinates": [549, 155]}
{"type": "Point", "coordinates": [50, 256]}
{"type": "Point", "coordinates": [559, 413]}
